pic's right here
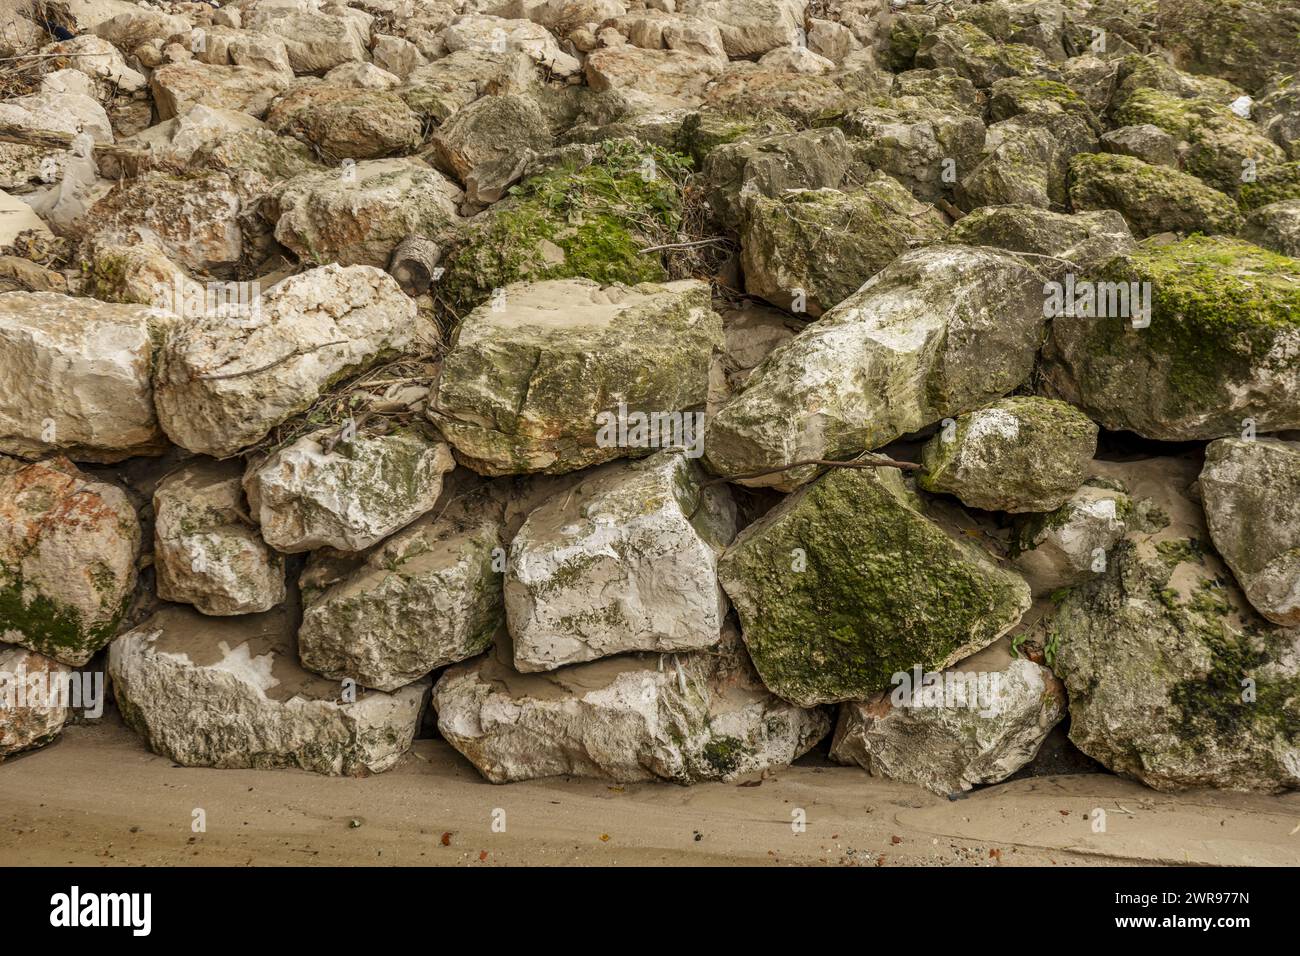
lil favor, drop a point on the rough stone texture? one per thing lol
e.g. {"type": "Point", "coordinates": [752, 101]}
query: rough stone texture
{"type": "Point", "coordinates": [848, 581]}
{"type": "Point", "coordinates": [825, 243]}
{"type": "Point", "coordinates": [940, 331]}
{"type": "Point", "coordinates": [751, 28]}
{"type": "Point", "coordinates": [324, 217]}
{"type": "Point", "coordinates": [1082, 241]}
{"type": "Point", "coordinates": [349, 497]}
{"type": "Point", "coordinates": [1071, 544]}
{"type": "Point", "coordinates": [229, 693]}
{"type": "Point", "coordinates": [1275, 227]}
{"type": "Point", "coordinates": [1246, 41]}
{"type": "Point", "coordinates": [177, 87]}
{"type": "Point", "coordinates": [1144, 141]}
{"type": "Point", "coordinates": [344, 123]}
{"type": "Point", "coordinates": [489, 130]}
{"type": "Point", "coordinates": [1026, 160]}
{"type": "Point", "coordinates": [911, 144]}
{"type": "Point", "coordinates": [949, 744]}
{"type": "Point", "coordinates": [1172, 678]}
{"type": "Point", "coordinates": [74, 377]}
{"type": "Point", "coordinates": [28, 718]}
{"type": "Point", "coordinates": [221, 386]}
{"type": "Point", "coordinates": [670, 77]}
{"type": "Point", "coordinates": [1016, 454]}
{"type": "Point", "coordinates": [68, 550]}
{"type": "Point", "coordinates": [497, 35]}
{"type": "Point", "coordinates": [440, 88]}
{"type": "Point", "coordinates": [625, 561]}
{"type": "Point", "coordinates": [751, 333]}
{"type": "Point", "coordinates": [428, 596]}
{"type": "Point", "coordinates": [207, 551]}
{"type": "Point", "coordinates": [1251, 491]}
{"type": "Point", "coordinates": [770, 166]}
{"type": "Point", "coordinates": [1151, 199]}
{"type": "Point", "coordinates": [975, 55]}
{"type": "Point", "coordinates": [1223, 344]}
{"type": "Point", "coordinates": [196, 220]}
{"type": "Point", "coordinates": [522, 387]}
{"type": "Point", "coordinates": [683, 718]}
{"type": "Point", "coordinates": [315, 42]}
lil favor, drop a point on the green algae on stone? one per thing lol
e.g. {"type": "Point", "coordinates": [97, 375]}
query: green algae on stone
{"type": "Point", "coordinates": [1271, 184]}
{"type": "Point", "coordinates": [1173, 679]}
{"type": "Point", "coordinates": [1017, 454]}
{"type": "Point", "coordinates": [573, 221]}
{"type": "Point", "coordinates": [1223, 344]}
{"type": "Point", "coordinates": [826, 243]}
{"type": "Point", "coordinates": [1152, 199]}
{"type": "Point", "coordinates": [847, 582]}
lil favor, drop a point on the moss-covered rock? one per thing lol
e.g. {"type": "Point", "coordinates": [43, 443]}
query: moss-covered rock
{"type": "Point", "coordinates": [1026, 160]}
{"type": "Point", "coordinates": [1151, 199]}
{"type": "Point", "coordinates": [1080, 241]}
{"type": "Point", "coordinates": [530, 377]}
{"type": "Point", "coordinates": [68, 550]}
{"type": "Point", "coordinates": [1245, 41]}
{"type": "Point", "coordinates": [1016, 454]}
{"type": "Point", "coordinates": [1223, 343]}
{"type": "Point", "coordinates": [924, 148]}
{"type": "Point", "coordinates": [815, 248]}
{"type": "Point", "coordinates": [1271, 184]}
{"type": "Point", "coordinates": [1017, 95]}
{"type": "Point", "coordinates": [1172, 678]}
{"type": "Point", "coordinates": [977, 56]}
{"type": "Point", "coordinates": [848, 581]}
{"type": "Point", "coordinates": [580, 219]}
{"type": "Point", "coordinates": [1219, 144]}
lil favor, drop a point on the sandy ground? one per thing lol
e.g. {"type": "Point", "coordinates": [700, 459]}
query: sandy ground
{"type": "Point", "coordinates": [97, 797]}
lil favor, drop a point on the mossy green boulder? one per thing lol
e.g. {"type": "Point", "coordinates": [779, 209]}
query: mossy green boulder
{"type": "Point", "coordinates": [1172, 678]}
{"type": "Point", "coordinates": [583, 218]}
{"type": "Point", "coordinates": [848, 582]}
{"type": "Point", "coordinates": [1017, 454]}
{"type": "Point", "coordinates": [1151, 199]}
{"type": "Point", "coordinates": [1222, 344]}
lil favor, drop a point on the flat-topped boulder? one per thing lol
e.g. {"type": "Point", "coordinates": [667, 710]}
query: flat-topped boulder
{"type": "Point", "coordinates": [534, 374]}
{"type": "Point", "coordinates": [228, 692]}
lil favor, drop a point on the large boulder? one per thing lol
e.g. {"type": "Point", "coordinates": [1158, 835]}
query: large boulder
{"type": "Point", "coordinates": [1220, 344]}
{"type": "Point", "coordinates": [213, 236]}
{"type": "Point", "coordinates": [360, 217]}
{"type": "Point", "coordinates": [977, 723]}
{"type": "Point", "coordinates": [31, 713]}
{"type": "Point", "coordinates": [978, 57]}
{"type": "Point", "coordinates": [75, 377]}
{"type": "Point", "coordinates": [848, 581]}
{"type": "Point", "coordinates": [918, 145]}
{"type": "Point", "coordinates": [428, 596]}
{"type": "Point", "coordinates": [1247, 41]}
{"type": "Point", "coordinates": [1151, 199]}
{"type": "Point", "coordinates": [940, 331]}
{"type": "Point", "coordinates": [178, 87]}
{"type": "Point", "coordinates": [221, 385]}
{"type": "Point", "coordinates": [625, 561]}
{"type": "Point", "coordinates": [1026, 159]}
{"type": "Point", "coordinates": [1275, 227]}
{"type": "Point", "coordinates": [68, 551]}
{"type": "Point", "coordinates": [497, 34]}
{"type": "Point", "coordinates": [345, 492]}
{"type": "Point", "coordinates": [488, 131]}
{"type": "Point", "coordinates": [228, 692]}
{"type": "Point", "coordinates": [1016, 454]}
{"type": "Point", "coordinates": [532, 376]}
{"type": "Point", "coordinates": [686, 719]}
{"type": "Point", "coordinates": [1079, 242]}
{"type": "Point", "coordinates": [207, 551]}
{"type": "Point", "coordinates": [751, 28]}
{"type": "Point", "coordinates": [1172, 677]}
{"type": "Point", "coordinates": [812, 249]}
{"type": "Point", "coordinates": [770, 165]}
{"type": "Point", "coordinates": [1251, 491]}
{"type": "Point", "coordinates": [315, 42]}
{"type": "Point", "coordinates": [344, 123]}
